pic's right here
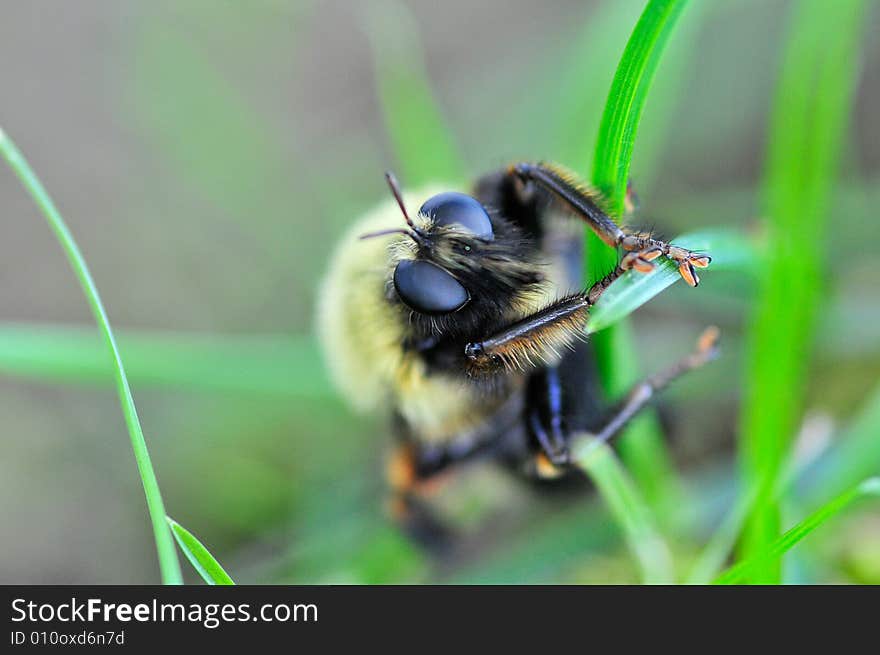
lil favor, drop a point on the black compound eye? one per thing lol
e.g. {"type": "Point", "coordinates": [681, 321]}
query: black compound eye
{"type": "Point", "coordinates": [460, 210]}
{"type": "Point", "coordinates": [427, 288]}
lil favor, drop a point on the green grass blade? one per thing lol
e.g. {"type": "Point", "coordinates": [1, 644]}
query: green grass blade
{"type": "Point", "coordinates": [642, 445]}
{"type": "Point", "coordinates": [629, 510]}
{"type": "Point", "coordinates": [856, 457]}
{"type": "Point", "coordinates": [555, 547]}
{"type": "Point", "coordinates": [626, 99]}
{"type": "Point", "coordinates": [587, 75]}
{"type": "Point", "coordinates": [730, 251]}
{"type": "Point", "coordinates": [809, 122]}
{"type": "Point", "coordinates": [723, 541]}
{"type": "Point", "coordinates": [265, 364]}
{"type": "Point", "coordinates": [422, 142]}
{"type": "Point", "coordinates": [168, 564]}
{"type": "Point", "coordinates": [199, 556]}
{"type": "Point", "coordinates": [749, 569]}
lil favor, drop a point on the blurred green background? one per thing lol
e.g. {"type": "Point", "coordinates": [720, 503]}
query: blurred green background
{"type": "Point", "coordinates": [207, 154]}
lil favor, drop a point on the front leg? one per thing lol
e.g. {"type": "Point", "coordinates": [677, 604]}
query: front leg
{"type": "Point", "coordinates": [586, 203]}
{"type": "Point", "coordinates": [409, 487]}
{"type": "Point", "coordinates": [538, 339]}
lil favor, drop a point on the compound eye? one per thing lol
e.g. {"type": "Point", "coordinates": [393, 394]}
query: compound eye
{"type": "Point", "coordinates": [427, 288]}
{"type": "Point", "coordinates": [460, 210]}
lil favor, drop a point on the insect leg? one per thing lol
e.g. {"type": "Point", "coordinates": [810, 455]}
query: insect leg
{"type": "Point", "coordinates": [586, 203]}
{"type": "Point", "coordinates": [554, 464]}
{"type": "Point", "coordinates": [415, 471]}
{"type": "Point", "coordinates": [538, 338]}
{"type": "Point", "coordinates": [545, 415]}
{"type": "Point", "coordinates": [641, 394]}
{"type": "Point", "coordinates": [631, 201]}
{"type": "Point", "coordinates": [407, 502]}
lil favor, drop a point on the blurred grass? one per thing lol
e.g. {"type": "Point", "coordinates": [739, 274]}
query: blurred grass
{"type": "Point", "coordinates": [715, 553]}
{"type": "Point", "coordinates": [195, 93]}
{"type": "Point", "coordinates": [853, 456]}
{"type": "Point", "coordinates": [169, 565]}
{"type": "Point", "coordinates": [209, 133]}
{"type": "Point", "coordinates": [423, 145]}
{"type": "Point", "coordinates": [629, 510]}
{"type": "Point", "coordinates": [723, 541]}
{"type": "Point", "coordinates": [257, 364]}
{"type": "Point", "coordinates": [807, 128]}
{"type": "Point", "coordinates": [188, 83]}
{"type": "Point", "coordinates": [641, 444]}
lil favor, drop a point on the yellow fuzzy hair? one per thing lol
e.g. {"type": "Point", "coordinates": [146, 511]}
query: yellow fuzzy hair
{"type": "Point", "coordinates": [361, 334]}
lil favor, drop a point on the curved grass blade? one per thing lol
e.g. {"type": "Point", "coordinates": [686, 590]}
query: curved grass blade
{"type": "Point", "coordinates": [746, 570]}
{"type": "Point", "coordinates": [729, 250]}
{"type": "Point", "coordinates": [168, 564]}
{"type": "Point", "coordinates": [202, 560]}
{"type": "Point", "coordinates": [629, 510]}
{"type": "Point", "coordinates": [626, 99]}
{"type": "Point", "coordinates": [856, 456]}
{"type": "Point", "coordinates": [807, 129]}
{"type": "Point", "coordinates": [723, 541]}
{"type": "Point", "coordinates": [580, 85]}
{"type": "Point", "coordinates": [422, 142]}
{"type": "Point", "coordinates": [641, 445]}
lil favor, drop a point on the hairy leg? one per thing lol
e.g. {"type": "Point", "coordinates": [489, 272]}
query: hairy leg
{"type": "Point", "coordinates": [551, 462]}
{"type": "Point", "coordinates": [538, 339]}
{"type": "Point", "coordinates": [586, 203]}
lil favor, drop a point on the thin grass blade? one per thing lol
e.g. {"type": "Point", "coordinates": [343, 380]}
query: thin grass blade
{"type": "Point", "coordinates": [642, 445]}
{"type": "Point", "coordinates": [730, 251]}
{"type": "Point", "coordinates": [168, 563]}
{"type": "Point", "coordinates": [748, 569]}
{"type": "Point", "coordinates": [711, 559]}
{"type": "Point", "coordinates": [626, 99]}
{"type": "Point", "coordinates": [823, 472]}
{"type": "Point", "coordinates": [629, 509]}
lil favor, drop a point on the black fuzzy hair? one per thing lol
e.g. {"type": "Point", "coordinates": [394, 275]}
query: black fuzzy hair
{"type": "Point", "coordinates": [500, 275]}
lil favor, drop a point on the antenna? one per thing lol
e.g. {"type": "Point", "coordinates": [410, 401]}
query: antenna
{"type": "Point", "coordinates": [413, 232]}
{"type": "Point", "coordinates": [395, 191]}
{"type": "Point", "coordinates": [382, 233]}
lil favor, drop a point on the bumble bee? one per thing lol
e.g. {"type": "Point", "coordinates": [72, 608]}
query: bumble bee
{"type": "Point", "coordinates": [466, 321]}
